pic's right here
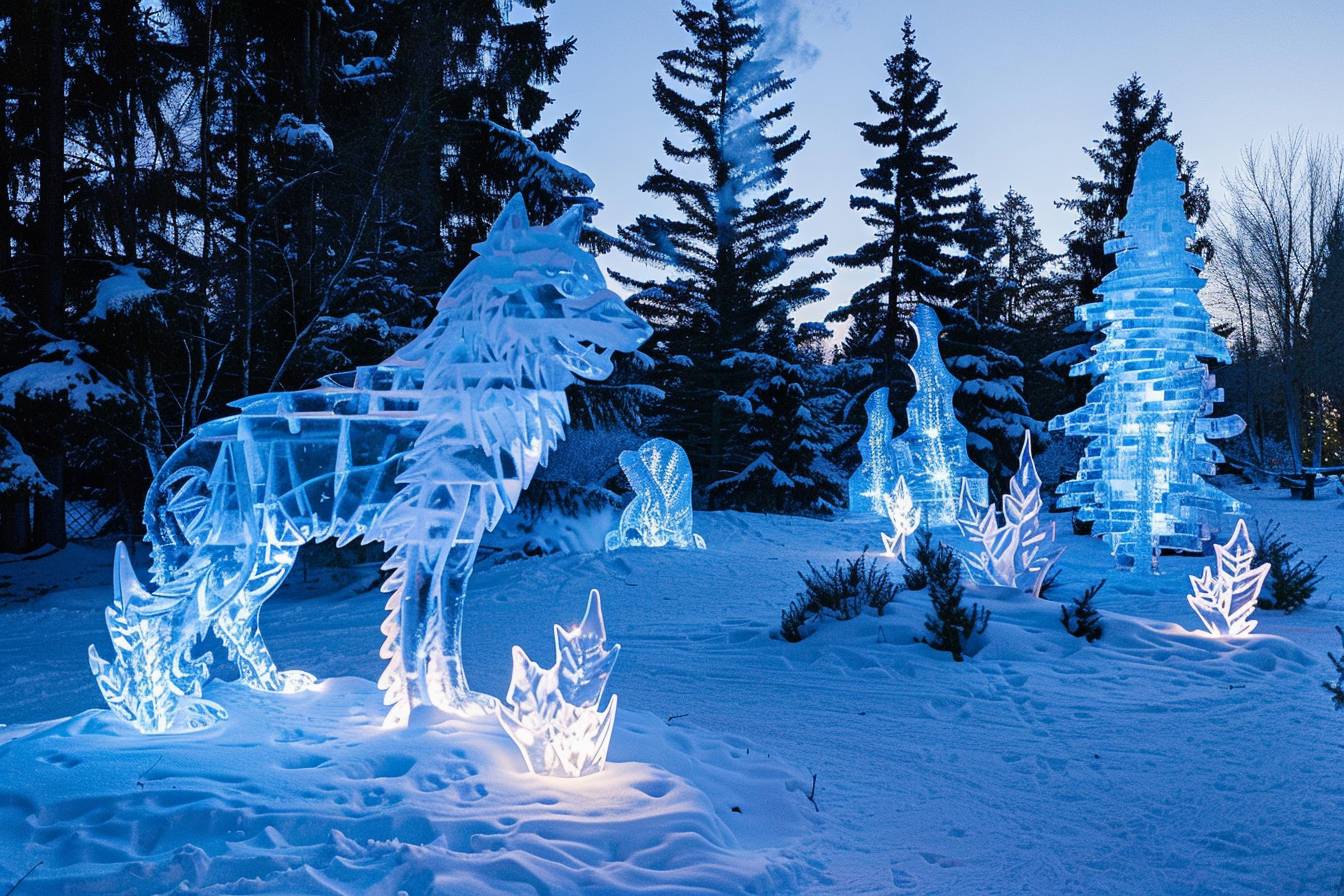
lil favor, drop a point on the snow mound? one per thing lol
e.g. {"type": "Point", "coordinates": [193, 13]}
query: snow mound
{"type": "Point", "coordinates": [307, 793]}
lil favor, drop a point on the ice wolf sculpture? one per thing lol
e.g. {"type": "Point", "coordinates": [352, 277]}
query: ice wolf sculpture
{"type": "Point", "coordinates": [424, 452]}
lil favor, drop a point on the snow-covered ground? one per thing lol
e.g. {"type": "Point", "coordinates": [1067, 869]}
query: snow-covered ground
{"type": "Point", "coordinates": [1154, 761]}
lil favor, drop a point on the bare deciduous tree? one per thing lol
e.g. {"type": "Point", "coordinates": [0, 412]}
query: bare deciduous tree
{"type": "Point", "coordinates": [1271, 239]}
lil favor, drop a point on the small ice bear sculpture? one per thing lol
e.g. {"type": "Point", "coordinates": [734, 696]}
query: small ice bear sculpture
{"type": "Point", "coordinates": [552, 714]}
{"type": "Point", "coordinates": [660, 513]}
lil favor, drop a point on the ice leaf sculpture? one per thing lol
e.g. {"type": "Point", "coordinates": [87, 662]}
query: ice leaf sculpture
{"type": "Point", "coordinates": [931, 453]}
{"type": "Point", "coordinates": [151, 681]}
{"type": "Point", "coordinates": [904, 517]}
{"type": "Point", "coordinates": [1141, 479]}
{"type": "Point", "coordinates": [659, 515]}
{"type": "Point", "coordinates": [1016, 549]}
{"type": "Point", "coordinates": [874, 478]}
{"type": "Point", "coordinates": [552, 714]}
{"type": "Point", "coordinates": [1225, 600]}
{"type": "Point", "coordinates": [424, 452]}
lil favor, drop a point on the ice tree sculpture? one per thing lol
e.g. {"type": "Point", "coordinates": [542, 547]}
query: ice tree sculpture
{"type": "Point", "coordinates": [1016, 549]}
{"type": "Point", "coordinates": [424, 452]}
{"type": "Point", "coordinates": [659, 515]}
{"type": "Point", "coordinates": [552, 714]}
{"type": "Point", "coordinates": [931, 453]}
{"type": "Point", "coordinates": [874, 478]}
{"type": "Point", "coordinates": [1140, 481]}
{"type": "Point", "coordinates": [904, 516]}
{"type": "Point", "coordinates": [1224, 602]}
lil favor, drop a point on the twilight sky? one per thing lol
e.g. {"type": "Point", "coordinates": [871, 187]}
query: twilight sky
{"type": "Point", "coordinates": [1027, 82]}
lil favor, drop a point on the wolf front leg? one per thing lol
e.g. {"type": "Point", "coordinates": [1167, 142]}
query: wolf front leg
{"type": "Point", "coordinates": [428, 580]}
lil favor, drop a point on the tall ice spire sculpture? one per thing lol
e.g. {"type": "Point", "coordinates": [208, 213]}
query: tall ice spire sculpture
{"type": "Point", "coordinates": [931, 453]}
{"type": "Point", "coordinates": [875, 477]}
{"type": "Point", "coordinates": [1140, 481]}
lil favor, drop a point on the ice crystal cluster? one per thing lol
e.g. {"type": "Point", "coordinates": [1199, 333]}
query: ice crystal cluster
{"type": "Point", "coordinates": [931, 453]}
{"type": "Point", "coordinates": [1016, 548]}
{"type": "Point", "coordinates": [424, 452]}
{"type": "Point", "coordinates": [659, 515]}
{"type": "Point", "coordinates": [904, 516]}
{"type": "Point", "coordinates": [1140, 481]}
{"type": "Point", "coordinates": [552, 714]}
{"type": "Point", "coordinates": [1225, 599]}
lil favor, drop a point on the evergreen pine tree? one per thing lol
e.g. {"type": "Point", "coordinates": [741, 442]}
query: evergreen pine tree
{"type": "Point", "coordinates": [977, 346]}
{"type": "Point", "coordinates": [912, 202]}
{"type": "Point", "coordinates": [1101, 202]}
{"type": "Point", "coordinates": [730, 249]}
{"type": "Point", "coordinates": [1023, 265]}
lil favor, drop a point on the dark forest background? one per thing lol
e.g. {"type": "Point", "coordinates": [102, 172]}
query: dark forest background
{"type": "Point", "coordinates": [205, 199]}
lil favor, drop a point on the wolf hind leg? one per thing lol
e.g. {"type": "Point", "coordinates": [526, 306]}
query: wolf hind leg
{"type": "Point", "coordinates": [238, 625]}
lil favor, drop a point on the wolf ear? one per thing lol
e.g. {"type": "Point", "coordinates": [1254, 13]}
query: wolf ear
{"type": "Point", "coordinates": [570, 224]}
{"type": "Point", "coordinates": [510, 224]}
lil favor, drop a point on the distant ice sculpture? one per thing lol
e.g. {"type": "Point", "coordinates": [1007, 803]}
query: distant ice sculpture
{"type": "Point", "coordinates": [1224, 602]}
{"type": "Point", "coordinates": [1016, 549]}
{"type": "Point", "coordinates": [552, 714]}
{"type": "Point", "coordinates": [424, 452]}
{"type": "Point", "coordinates": [876, 474]}
{"type": "Point", "coordinates": [904, 516]}
{"type": "Point", "coordinates": [931, 453]}
{"type": "Point", "coordinates": [659, 515]}
{"type": "Point", "coordinates": [1140, 481]}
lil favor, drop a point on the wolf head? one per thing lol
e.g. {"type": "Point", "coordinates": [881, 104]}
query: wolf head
{"type": "Point", "coordinates": [534, 294]}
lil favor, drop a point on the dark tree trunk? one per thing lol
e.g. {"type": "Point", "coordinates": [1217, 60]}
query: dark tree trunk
{"type": "Point", "coordinates": [49, 517]}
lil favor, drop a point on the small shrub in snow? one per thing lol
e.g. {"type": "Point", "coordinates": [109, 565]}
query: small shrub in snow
{"type": "Point", "coordinates": [1292, 582]}
{"type": "Point", "coordinates": [1336, 688]}
{"type": "Point", "coordinates": [791, 620]}
{"type": "Point", "coordinates": [1083, 620]}
{"type": "Point", "coordinates": [950, 625]}
{"type": "Point", "coordinates": [843, 590]}
{"type": "Point", "coordinates": [917, 576]}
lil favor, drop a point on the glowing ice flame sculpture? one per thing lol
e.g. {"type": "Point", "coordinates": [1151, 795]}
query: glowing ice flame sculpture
{"type": "Point", "coordinates": [874, 478]}
{"type": "Point", "coordinates": [659, 515]}
{"type": "Point", "coordinates": [552, 714]}
{"type": "Point", "coordinates": [904, 517]}
{"type": "Point", "coordinates": [1017, 550]}
{"type": "Point", "coordinates": [1140, 481]}
{"type": "Point", "coordinates": [931, 453]}
{"type": "Point", "coordinates": [424, 452]}
{"type": "Point", "coordinates": [1224, 602]}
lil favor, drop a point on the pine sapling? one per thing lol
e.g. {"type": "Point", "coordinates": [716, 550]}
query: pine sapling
{"type": "Point", "coordinates": [950, 625]}
{"type": "Point", "coordinates": [1292, 582]}
{"type": "Point", "coordinates": [846, 588]}
{"type": "Point", "coordinates": [1336, 688]}
{"type": "Point", "coordinates": [1083, 620]}
{"type": "Point", "coordinates": [792, 618]}
{"type": "Point", "coordinates": [917, 576]}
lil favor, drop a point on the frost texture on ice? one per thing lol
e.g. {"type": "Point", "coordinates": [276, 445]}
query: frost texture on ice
{"type": "Point", "coordinates": [659, 515]}
{"type": "Point", "coordinates": [1140, 481]}
{"type": "Point", "coordinates": [1016, 548]}
{"type": "Point", "coordinates": [1225, 600]}
{"type": "Point", "coordinates": [424, 452]}
{"type": "Point", "coordinates": [552, 714]}
{"type": "Point", "coordinates": [931, 453]}
{"type": "Point", "coordinates": [904, 516]}
{"type": "Point", "coordinates": [876, 475]}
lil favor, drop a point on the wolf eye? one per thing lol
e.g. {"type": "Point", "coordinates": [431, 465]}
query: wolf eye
{"type": "Point", "coordinates": [571, 285]}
